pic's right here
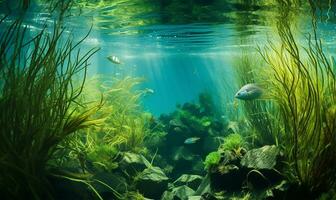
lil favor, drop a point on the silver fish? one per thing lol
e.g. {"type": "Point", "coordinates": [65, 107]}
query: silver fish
{"type": "Point", "coordinates": [191, 140]}
{"type": "Point", "coordinates": [148, 90]}
{"type": "Point", "coordinates": [114, 59]}
{"type": "Point", "coordinates": [249, 92]}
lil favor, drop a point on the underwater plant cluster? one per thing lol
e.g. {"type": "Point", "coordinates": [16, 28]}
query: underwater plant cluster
{"type": "Point", "coordinates": [67, 135]}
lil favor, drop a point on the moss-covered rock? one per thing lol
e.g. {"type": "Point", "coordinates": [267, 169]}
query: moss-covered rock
{"type": "Point", "coordinates": [152, 182]}
{"type": "Point", "coordinates": [261, 158]}
{"type": "Point", "coordinates": [133, 163]}
{"type": "Point", "coordinates": [261, 164]}
{"type": "Point", "coordinates": [178, 193]}
{"type": "Point", "coordinates": [192, 181]}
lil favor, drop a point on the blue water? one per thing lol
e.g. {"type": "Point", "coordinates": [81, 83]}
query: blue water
{"type": "Point", "coordinates": [177, 70]}
{"type": "Point", "coordinates": [177, 61]}
{"type": "Point", "coordinates": [179, 56]}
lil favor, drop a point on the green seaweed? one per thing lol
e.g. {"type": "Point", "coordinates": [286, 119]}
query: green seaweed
{"type": "Point", "coordinates": [304, 86]}
{"type": "Point", "coordinates": [38, 103]}
{"type": "Point", "coordinates": [126, 124]}
{"type": "Point", "coordinates": [103, 157]}
{"type": "Point", "coordinates": [262, 114]}
{"type": "Point", "coordinates": [233, 142]}
{"type": "Point", "coordinates": [212, 159]}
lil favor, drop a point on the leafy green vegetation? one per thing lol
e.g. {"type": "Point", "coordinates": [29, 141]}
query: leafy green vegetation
{"type": "Point", "coordinates": [212, 159]}
{"type": "Point", "coordinates": [121, 128]}
{"type": "Point", "coordinates": [262, 114]}
{"type": "Point", "coordinates": [49, 131]}
{"type": "Point", "coordinates": [103, 158]}
{"type": "Point", "coordinates": [38, 103]}
{"type": "Point", "coordinates": [304, 86]}
{"type": "Point", "coordinates": [233, 142]}
{"type": "Point", "coordinates": [125, 123]}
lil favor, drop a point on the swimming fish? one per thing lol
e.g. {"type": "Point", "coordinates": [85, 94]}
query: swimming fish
{"type": "Point", "coordinates": [191, 140]}
{"type": "Point", "coordinates": [114, 59]}
{"type": "Point", "coordinates": [249, 92]}
{"type": "Point", "coordinates": [148, 90]}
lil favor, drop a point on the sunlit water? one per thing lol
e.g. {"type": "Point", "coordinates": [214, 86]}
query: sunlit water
{"type": "Point", "coordinates": [179, 54]}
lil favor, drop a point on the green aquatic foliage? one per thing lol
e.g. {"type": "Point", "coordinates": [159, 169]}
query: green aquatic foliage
{"type": "Point", "coordinates": [198, 117]}
{"type": "Point", "coordinates": [233, 142]}
{"type": "Point", "coordinates": [262, 114]}
{"type": "Point", "coordinates": [122, 127]}
{"type": "Point", "coordinates": [195, 123]}
{"type": "Point", "coordinates": [38, 103]}
{"type": "Point", "coordinates": [304, 85]}
{"type": "Point", "coordinates": [133, 195]}
{"type": "Point", "coordinates": [104, 157]}
{"type": "Point", "coordinates": [206, 104]}
{"type": "Point", "coordinates": [123, 124]}
{"type": "Point", "coordinates": [126, 124]}
{"type": "Point", "coordinates": [212, 159]}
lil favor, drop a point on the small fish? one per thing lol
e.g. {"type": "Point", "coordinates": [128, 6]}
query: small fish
{"type": "Point", "coordinates": [114, 59]}
{"type": "Point", "coordinates": [249, 92]}
{"type": "Point", "coordinates": [150, 91]}
{"type": "Point", "coordinates": [191, 140]}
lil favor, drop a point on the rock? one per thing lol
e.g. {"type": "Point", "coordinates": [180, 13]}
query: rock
{"type": "Point", "coordinates": [197, 166]}
{"type": "Point", "coordinates": [195, 198]}
{"type": "Point", "coordinates": [178, 193]}
{"type": "Point", "coordinates": [183, 192]}
{"type": "Point", "coordinates": [261, 158]}
{"type": "Point", "coordinates": [277, 191]}
{"type": "Point", "coordinates": [152, 182]}
{"type": "Point", "coordinates": [261, 163]}
{"type": "Point", "coordinates": [133, 163]}
{"type": "Point", "coordinates": [182, 153]}
{"type": "Point", "coordinates": [67, 189]}
{"type": "Point", "coordinates": [204, 187]}
{"type": "Point", "coordinates": [167, 195]}
{"type": "Point", "coordinates": [192, 181]}
{"type": "Point", "coordinates": [187, 163]}
{"type": "Point", "coordinates": [227, 174]}
{"type": "Point", "coordinates": [227, 177]}
{"type": "Point", "coordinates": [113, 180]}
{"type": "Point", "coordinates": [176, 123]}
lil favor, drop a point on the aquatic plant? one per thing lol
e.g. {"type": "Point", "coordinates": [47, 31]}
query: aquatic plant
{"type": "Point", "coordinates": [197, 117]}
{"type": "Point", "coordinates": [104, 157]}
{"type": "Point", "coordinates": [38, 103]}
{"type": "Point", "coordinates": [133, 195]}
{"type": "Point", "coordinates": [212, 159]}
{"type": "Point", "coordinates": [126, 124]}
{"type": "Point", "coordinates": [262, 114]}
{"type": "Point", "coordinates": [244, 196]}
{"type": "Point", "coordinates": [123, 127]}
{"type": "Point", "coordinates": [304, 86]}
{"type": "Point", "coordinates": [97, 150]}
{"type": "Point", "coordinates": [233, 142]}
{"type": "Point", "coordinates": [206, 104]}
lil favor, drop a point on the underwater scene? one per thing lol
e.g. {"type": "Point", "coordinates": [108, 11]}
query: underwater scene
{"type": "Point", "coordinates": [167, 99]}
